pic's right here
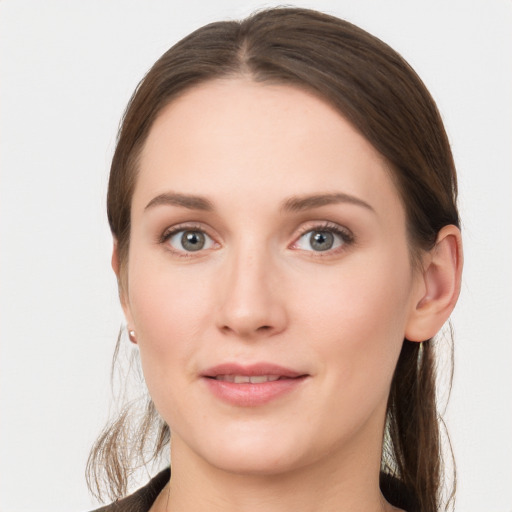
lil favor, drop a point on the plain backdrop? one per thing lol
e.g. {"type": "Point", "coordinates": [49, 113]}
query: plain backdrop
{"type": "Point", "coordinates": [67, 70]}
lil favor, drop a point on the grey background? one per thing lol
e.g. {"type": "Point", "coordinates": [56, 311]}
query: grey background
{"type": "Point", "coordinates": [67, 69]}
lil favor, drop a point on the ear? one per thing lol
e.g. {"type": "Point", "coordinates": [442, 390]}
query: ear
{"type": "Point", "coordinates": [438, 288]}
{"type": "Point", "coordinates": [116, 267]}
{"type": "Point", "coordinates": [115, 259]}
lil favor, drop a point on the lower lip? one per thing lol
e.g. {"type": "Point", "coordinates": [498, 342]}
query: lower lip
{"type": "Point", "coordinates": [251, 395]}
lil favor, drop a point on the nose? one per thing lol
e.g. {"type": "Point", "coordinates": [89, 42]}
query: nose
{"type": "Point", "coordinates": [251, 302]}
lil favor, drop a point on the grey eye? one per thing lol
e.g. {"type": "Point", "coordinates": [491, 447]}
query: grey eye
{"type": "Point", "coordinates": [190, 240]}
{"type": "Point", "coordinates": [319, 240]}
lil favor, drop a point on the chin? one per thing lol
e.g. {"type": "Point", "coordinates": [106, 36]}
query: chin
{"type": "Point", "coordinates": [260, 452]}
{"type": "Point", "coordinates": [254, 463]}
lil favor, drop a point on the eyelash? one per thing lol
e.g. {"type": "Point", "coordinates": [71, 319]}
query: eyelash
{"type": "Point", "coordinates": [346, 236]}
{"type": "Point", "coordinates": [170, 232]}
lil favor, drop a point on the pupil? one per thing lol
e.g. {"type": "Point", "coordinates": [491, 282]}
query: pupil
{"type": "Point", "coordinates": [322, 240]}
{"type": "Point", "coordinates": [192, 240]}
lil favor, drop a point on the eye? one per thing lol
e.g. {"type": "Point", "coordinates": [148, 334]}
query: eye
{"type": "Point", "coordinates": [324, 238]}
{"type": "Point", "coordinates": [188, 240]}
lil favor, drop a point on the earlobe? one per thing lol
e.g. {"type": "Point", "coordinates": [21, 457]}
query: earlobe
{"type": "Point", "coordinates": [440, 288]}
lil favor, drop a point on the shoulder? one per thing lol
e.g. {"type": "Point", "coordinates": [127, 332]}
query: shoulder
{"type": "Point", "coordinates": [141, 500]}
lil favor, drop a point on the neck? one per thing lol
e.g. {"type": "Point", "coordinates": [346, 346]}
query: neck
{"type": "Point", "coordinates": [325, 485]}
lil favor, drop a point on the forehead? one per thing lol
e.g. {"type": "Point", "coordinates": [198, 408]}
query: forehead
{"type": "Point", "coordinates": [235, 137]}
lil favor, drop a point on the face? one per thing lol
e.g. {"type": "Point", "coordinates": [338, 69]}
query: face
{"type": "Point", "coordinates": [269, 280]}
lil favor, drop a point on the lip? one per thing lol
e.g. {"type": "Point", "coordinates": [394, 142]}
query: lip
{"type": "Point", "coordinates": [252, 394]}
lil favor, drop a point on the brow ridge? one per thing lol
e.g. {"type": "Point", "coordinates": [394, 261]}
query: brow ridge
{"type": "Point", "coordinates": [300, 203]}
{"type": "Point", "coordinates": [188, 201]}
{"type": "Point", "coordinates": [292, 204]}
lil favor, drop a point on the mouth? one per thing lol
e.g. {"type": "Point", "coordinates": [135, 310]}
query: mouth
{"type": "Point", "coordinates": [270, 371]}
{"type": "Point", "coordinates": [252, 385]}
{"type": "Point", "coordinates": [248, 379]}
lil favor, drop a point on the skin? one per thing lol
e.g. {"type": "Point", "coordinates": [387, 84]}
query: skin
{"type": "Point", "coordinates": [258, 291]}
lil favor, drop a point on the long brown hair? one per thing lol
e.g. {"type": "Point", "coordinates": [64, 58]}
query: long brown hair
{"type": "Point", "coordinates": [379, 93]}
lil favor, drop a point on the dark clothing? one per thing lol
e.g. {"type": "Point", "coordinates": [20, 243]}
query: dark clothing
{"type": "Point", "coordinates": [397, 493]}
{"type": "Point", "coordinates": [142, 500]}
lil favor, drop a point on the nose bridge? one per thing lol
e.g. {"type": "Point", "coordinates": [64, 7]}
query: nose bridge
{"type": "Point", "coordinates": [251, 303]}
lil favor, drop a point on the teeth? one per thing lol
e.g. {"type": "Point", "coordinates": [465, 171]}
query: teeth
{"type": "Point", "coordinates": [257, 379]}
{"type": "Point", "coordinates": [245, 379]}
{"type": "Point", "coordinates": [263, 378]}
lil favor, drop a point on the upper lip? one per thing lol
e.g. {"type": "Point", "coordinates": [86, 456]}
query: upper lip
{"type": "Point", "coordinates": [250, 370]}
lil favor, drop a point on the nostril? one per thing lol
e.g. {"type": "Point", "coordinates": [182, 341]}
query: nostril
{"type": "Point", "coordinates": [260, 329]}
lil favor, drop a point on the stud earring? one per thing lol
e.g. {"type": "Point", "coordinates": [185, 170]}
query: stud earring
{"type": "Point", "coordinates": [131, 335]}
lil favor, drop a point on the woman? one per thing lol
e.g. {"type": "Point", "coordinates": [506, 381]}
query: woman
{"type": "Point", "coordinates": [283, 204]}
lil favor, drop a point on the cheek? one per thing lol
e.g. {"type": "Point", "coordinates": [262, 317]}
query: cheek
{"type": "Point", "coordinates": [360, 314]}
{"type": "Point", "coordinates": [169, 312]}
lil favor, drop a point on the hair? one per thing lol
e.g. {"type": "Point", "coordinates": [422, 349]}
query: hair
{"type": "Point", "coordinates": [375, 89]}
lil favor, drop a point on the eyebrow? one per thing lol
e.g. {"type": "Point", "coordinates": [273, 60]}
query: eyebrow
{"type": "Point", "coordinates": [292, 204]}
{"type": "Point", "coordinates": [184, 200]}
{"type": "Point", "coordinates": [300, 203]}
